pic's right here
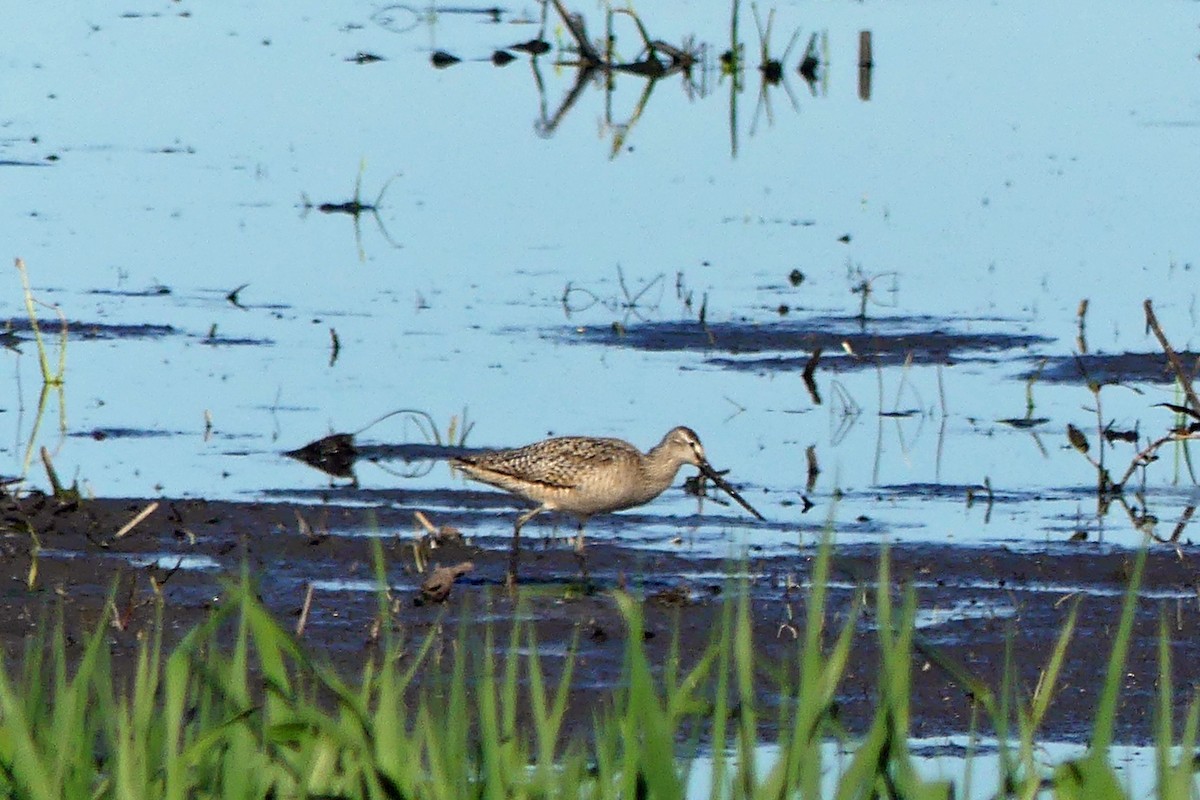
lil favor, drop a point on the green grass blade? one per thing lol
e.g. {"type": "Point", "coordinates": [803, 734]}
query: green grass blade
{"type": "Point", "coordinates": [1183, 774]}
{"type": "Point", "coordinates": [1106, 712]}
{"type": "Point", "coordinates": [175, 697]}
{"type": "Point", "coordinates": [1088, 778]}
{"type": "Point", "coordinates": [648, 725]}
{"type": "Point", "coordinates": [30, 768]}
{"type": "Point", "coordinates": [720, 737]}
{"type": "Point", "coordinates": [1163, 715]}
{"type": "Point", "coordinates": [743, 660]}
{"type": "Point", "coordinates": [489, 723]}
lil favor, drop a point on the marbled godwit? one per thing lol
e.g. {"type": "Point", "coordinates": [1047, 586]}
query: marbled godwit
{"type": "Point", "coordinates": [585, 475]}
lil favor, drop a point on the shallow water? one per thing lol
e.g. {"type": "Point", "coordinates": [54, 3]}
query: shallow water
{"type": "Point", "coordinates": [973, 767]}
{"type": "Point", "coordinates": [1012, 159]}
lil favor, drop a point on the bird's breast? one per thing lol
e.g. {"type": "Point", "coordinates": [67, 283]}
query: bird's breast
{"type": "Point", "coordinates": [602, 491]}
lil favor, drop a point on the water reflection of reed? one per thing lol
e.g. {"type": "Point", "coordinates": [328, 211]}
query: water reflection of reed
{"type": "Point", "coordinates": [598, 63]}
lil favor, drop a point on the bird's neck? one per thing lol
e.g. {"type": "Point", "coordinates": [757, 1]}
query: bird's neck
{"type": "Point", "coordinates": [661, 467]}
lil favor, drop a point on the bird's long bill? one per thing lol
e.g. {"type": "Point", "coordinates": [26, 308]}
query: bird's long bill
{"type": "Point", "coordinates": [712, 475]}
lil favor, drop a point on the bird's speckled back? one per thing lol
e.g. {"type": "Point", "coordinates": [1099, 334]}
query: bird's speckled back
{"type": "Point", "coordinates": [586, 475]}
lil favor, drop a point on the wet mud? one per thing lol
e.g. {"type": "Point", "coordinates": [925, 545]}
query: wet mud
{"type": "Point", "coordinates": [20, 333]}
{"type": "Point", "coordinates": [971, 601]}
{"type": "Point", "coordinates": [1111, 368]}
{"type": "Point", "coordinates": [844, 342]}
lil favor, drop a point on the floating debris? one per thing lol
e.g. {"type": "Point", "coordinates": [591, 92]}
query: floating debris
{"type": "Point", "coordinates": [232, 297]}
{"type": "Point", "coordinates": [436, 588]}
{"type": "Point", "coordinates": [1024, 423]}
{"type": "Point", "coordinates": [811, 62]}
{"type": "Point", "coordinates": [334, 454]}
{"type": "Point", "coordinates": [535, 47]}
{"type": "Point", "coordinates": [672, 597]}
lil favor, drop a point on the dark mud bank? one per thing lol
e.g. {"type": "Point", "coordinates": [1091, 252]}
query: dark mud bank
{"type": "Point", "coordinates": [970, 599]}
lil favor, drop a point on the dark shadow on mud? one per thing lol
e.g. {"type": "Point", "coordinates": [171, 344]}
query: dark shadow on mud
{"type": "Point", "coordinates": [847, 342]}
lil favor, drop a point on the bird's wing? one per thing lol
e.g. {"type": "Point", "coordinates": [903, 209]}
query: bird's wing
{"type": "Point", "coordinates": [555, 462]}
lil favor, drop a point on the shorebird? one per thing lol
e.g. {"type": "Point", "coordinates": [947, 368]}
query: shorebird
{"type": "Point", "coordinates": [587, 475]}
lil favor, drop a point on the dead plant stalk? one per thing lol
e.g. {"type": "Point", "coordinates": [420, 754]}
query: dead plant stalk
{"type": "Point", "coordinates": [31, 304]}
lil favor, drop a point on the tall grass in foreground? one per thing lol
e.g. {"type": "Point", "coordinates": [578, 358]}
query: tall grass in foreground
{"type": "Point", "coordinates": [239, 709]}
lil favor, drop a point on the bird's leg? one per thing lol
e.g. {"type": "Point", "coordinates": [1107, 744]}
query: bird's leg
{"type": "Point", "coordinates": [581, 556]}
{"type": "Point", "coordinates": [510, 580]}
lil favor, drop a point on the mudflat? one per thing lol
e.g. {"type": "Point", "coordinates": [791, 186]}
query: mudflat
{"type": "Point", "coordinates": [971, 600]}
